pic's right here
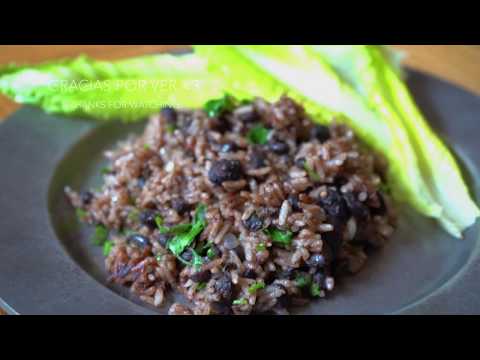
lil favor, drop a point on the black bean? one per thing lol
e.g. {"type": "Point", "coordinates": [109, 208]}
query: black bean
{"type": "Point", "coordinates": [225, 170]}
{"type": "Point", "coordinates": [293, 201]}
{"type": "Point", "coordinates": [228, 147]}
{"type": "Point", "coordinates": [334, 240]}
{"type": "Point", "coordinates": [147, 218]}
{"type": "Point", "coordinates": [250, 274]}
{"type": "Point", "coordinates": [86, 197]}
{"type": "Point", "coordinates": [169, 114]}
{"type": "Point", "coordinates": [257, 160]}
{"type": "Point", "coordinates": [279, 147]}
{"type": "Point", "coordinates": [141, 182]}
{"type": "Point", "coordinates": [163, 239]}
{"type": "Point", "coordinates": [334, 205]}
{"type": "Point", "coordinates": [220, 308]}
{"type": "Point", "coordinates": [223, 286]}
{"type": "Point", "coordinates": [358, 209]}
{"type": "Point", "coordinates": [179, 205]}
{"type": "Point", "coordinates": [319, 279]}
{"type": "Point", "coordinates": [316, 260]}
{"type": "Point", "coordinates": [287, 274]}
{"type": "Point", "coordinates": [340, 180]}
{"type": "Point", "coordinates": [254, 223]}
{"type": "Point", "coordinates": [201, 276]}
{"type": "Point", "coordinates": [248, 116]}
{"type": "Point", "coordinates": [300, 163]}
{"type": "Point", "coordinates": [138, 240]}
{"type": "Point", "coordinates": [220, 124]}
{"type": "Point", "coordinates": [321, 133]}
{"type": "Point", "coordinates": [187, 255]}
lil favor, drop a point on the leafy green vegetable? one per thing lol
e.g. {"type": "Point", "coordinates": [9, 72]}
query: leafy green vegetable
{"type": "Point", "coordinates": [279, 236]}
{"type": "Point", "coordinates": [369, 70]}
{"type": "Point", "coordinates": [258, 135]}
{"type": "Point", "coordinates": [216, 107]}
{"type": "Point", "coordinates": [301, 69]}
{"type": "Point", "coordinates": [128, 90]}
{"type": "Point", "coordinates": [241, 301]}
{"type": "Point", "coordinates": [256, 286]}
{"type": "Point", "coordinates": [100, 235]}
{"type": "Point", "coordinates": [107, 247]}
{"type": "Point", "coordinates": [81, 214]}
{"type": "Point", "coordinates": [183, 240]}
{"type": "Point", "coordinates": [211, 253]}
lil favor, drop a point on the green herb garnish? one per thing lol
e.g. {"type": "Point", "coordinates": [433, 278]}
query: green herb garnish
{"type": "Point", "coordinates": [217, 106]}
{"type": "Point", "coordinates": [146, 146]}
{"type": "Point", "coordinates": [211, 254]}
{"type": "Point", "coordinates": [106, 170]}
{"type": "Point", "coordinates": [100, 235]}
{"type": "Point", "coordinates": [241, 301]}
{"type": "Point", "coordinates": [279, 236]}
{"type": "Point", "coordinates": [261, 247]}
{"type": "Point", "coordinates": [159, 258]}
{"type": "Point", "coordinates": [315, 290]}
{"type": "Point", "coordinates": [311, 173]}
{"type": "Point", "coordinates": [201, 286]}
{"type": "Point", "coordinates": [81, 214]}
{"type": "Point", "coordinates": [197, 261]}
{"type": "Point", "coordinates": [171, 128]}
{"type": "Point", "coordinates": [181, 241]}
{"type": "Point", "coordinates": [258, 135]}
{"type": "Point", "coordinates": [256, 286]}
{"type": "Point", "coordinates": [107, 247]}
{"type": "Point", "coordinates": [303, 280]}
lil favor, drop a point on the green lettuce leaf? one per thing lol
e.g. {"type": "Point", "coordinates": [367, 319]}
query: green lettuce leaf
{"type": "Point", "coordinates": [128, 89]}
{"type": "Point", "coordinates": [299, 68]}
{"type": "Point", "coordinates": [371, 73]}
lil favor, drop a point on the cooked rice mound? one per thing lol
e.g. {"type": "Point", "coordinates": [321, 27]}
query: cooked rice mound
{"type": "Point", "coordinates": [290, 207]}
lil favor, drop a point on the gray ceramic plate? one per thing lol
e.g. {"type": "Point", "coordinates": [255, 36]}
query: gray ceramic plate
{"type": "Point", "coordinates": [47, 265]}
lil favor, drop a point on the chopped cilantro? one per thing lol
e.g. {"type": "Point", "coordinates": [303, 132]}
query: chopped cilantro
{"type": "Point", "coordinates": [279, 236]}
{"type": "Point", "coordinates": [81, 214]}
{"type": "Point", "coordinates": [256, 286]}
{"type": "Point", "coordinates": [106, 170]}
{"type": "Point", "coordinates": [146, 146]}
{"type": "Point", "coordinates": [303, 280]}
{"type": "Point", "coordinates": [261, 247]}
{"type": "Point", "coordinates": [182, 240]}
{"type": "Point", "coordinates": [315, 290]}
{"type": "Point", "coordinates": [311, 173]}
{"type": "Point", "coordinates": [159, 258]}
{"type": "Point", "coordinates": [201, 286]}
{"type": "Point", "coordinates": [241, 301]}
{"type": "Point", "coordinates": [100, 235]}
{"type": "Point", "coordinates": [217, 106]}
{"type": "Point", "coordinates": [107, 247]}
{"type": "Point", "coordinates": [171, 128]}
{"type": "Point", "coordinates": [258, 135]}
